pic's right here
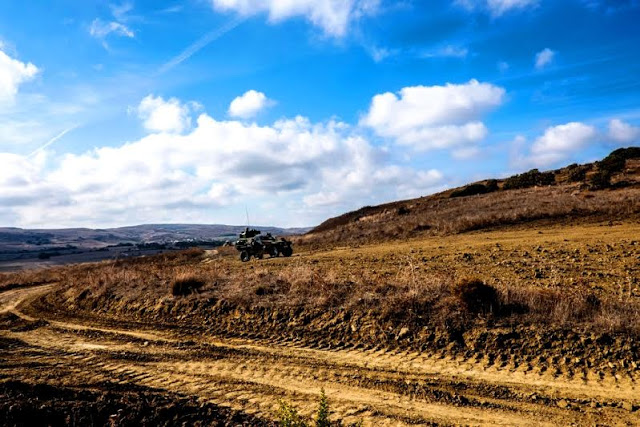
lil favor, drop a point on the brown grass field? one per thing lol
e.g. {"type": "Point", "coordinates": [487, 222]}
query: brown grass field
{"type": "Point", "coordinates": [536, 323]}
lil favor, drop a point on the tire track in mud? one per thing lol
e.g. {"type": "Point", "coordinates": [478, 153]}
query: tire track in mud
{"type": "Point", "coordinates": [378, 387]}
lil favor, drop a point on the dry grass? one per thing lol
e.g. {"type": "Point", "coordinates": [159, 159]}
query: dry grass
{"type": "Point", "coordinates": [441, 215]}
{"type": "Point", "coordinates": [527, 279]}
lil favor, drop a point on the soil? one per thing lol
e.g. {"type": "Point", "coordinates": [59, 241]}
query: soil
{"type": "Point", "coordinates": [24, 404]}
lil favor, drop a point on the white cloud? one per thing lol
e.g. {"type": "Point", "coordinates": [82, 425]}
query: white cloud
{"type": "Point", "coordinates": [497, 7]}
{"type": "Point", "coordinates": [544, 58]}
{"type": "Point", "coordinates": [379, 54]}
{"type": "Point", "coordinates": [249, 104]}
{"type": "Point", "coordinates": [622, 132]}
{"type": "Point", "coordinates": [101, 29]}
{"type": "Point", "coordinates": [333, 16]}
{"type": "Point", "coordinates": [13, 73]}
{"type": "Point", "coordinates": [559, 142]}
{"type": "Point", "coordinates": [448, 51]}
{"type": "Point", "coordinates": [434, 117]}
{"type": "Point", "coordinates": [163, 176]}
{"type": "Point", "coordinates": [168, 116]}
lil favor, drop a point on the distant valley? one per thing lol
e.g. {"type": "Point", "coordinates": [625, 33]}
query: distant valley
{"type": "Point", "coordinates": [20, 248]}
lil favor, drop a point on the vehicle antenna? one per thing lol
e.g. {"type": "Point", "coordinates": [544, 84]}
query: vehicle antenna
{"type": "Point", "coordinates": [247, 212]}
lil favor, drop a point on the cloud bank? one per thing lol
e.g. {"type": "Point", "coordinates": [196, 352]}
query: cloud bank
{"type": "Point", "coordinates": [181, 172]}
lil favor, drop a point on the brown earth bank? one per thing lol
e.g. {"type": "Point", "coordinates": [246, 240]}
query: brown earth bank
{"type": "Point", "coordinates": [509, 327]}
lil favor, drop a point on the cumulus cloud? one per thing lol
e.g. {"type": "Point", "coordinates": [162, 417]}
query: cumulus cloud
{"type": "Point", "coordinates": [332, 16]}
{"type": "Point", "coordinates": [13, 73]}
{"type": "Point", "coordinates": [159, 115]}
{"type": "Point", "coordinates": [559, 142]}
{"type": "Point", "coordinates": [249, 104]}
{"type": "Point", "coordinates": [434, 117]}
{"type": "Point", "coordinates": [623, 133]}
{"type": "Point", "coordinates": [544, 58]}
{"type": "Point", "coordinates": [169, 175]}
{"type": "Point", "coordinates": [101, 29]}
{"type": "Point", "coordinates": [497, 7]}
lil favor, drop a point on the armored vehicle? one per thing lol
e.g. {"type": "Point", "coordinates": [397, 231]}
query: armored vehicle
{"type": "Point", "coordinates": [253, 243]}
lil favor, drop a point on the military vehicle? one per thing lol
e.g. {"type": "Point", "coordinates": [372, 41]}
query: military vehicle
{"type": "Point", "coordinates": [253, 243]}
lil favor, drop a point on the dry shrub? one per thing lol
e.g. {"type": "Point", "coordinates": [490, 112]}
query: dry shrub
{"type": "Point", "coordinates": [186, 283]}
{"type": "Point", "coordinates": [570, 308]}
{"type": "Point", "coordinates": [476, 297]}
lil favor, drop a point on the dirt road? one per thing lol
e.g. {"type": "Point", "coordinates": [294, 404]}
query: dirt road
{"type": "Point", "coordinates": [377, 387]}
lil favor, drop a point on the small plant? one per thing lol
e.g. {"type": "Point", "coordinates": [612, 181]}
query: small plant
{"type": "Point", "coordinates": [322, 417]}
{"type": "Point", "coordinates": [289, 416]}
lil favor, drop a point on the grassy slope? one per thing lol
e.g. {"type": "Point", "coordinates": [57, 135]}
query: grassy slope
{"type": "Point", "coordinates": [441, 214]}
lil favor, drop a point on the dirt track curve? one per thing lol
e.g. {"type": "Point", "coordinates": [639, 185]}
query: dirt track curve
{"type": "Point", "coordinates": [373, 387]}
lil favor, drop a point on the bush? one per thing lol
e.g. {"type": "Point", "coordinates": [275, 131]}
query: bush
{"type": "Point", "coordinates": [492, 185]}
{"type": "Point", "coordinates": [529, 179]}
{"type": "Point", "coordinates": [322, 417]}
{"type": "Point", "coordinates": [600, 180]}
{"type": "Point", "coordinates": [576, 173]}
{"type": "Point", "coordinates": [403, 210]}
{"type": "Point", "coordinates": [472, 190]}
{"type": "Point", "coordinates": [289, 416]}
{"type": "Point", "coordinates": [186, 284]}
{"type": "Point", "coordinates": [615, 161]}
{"type": "Point", "coordinates": [476, 297]}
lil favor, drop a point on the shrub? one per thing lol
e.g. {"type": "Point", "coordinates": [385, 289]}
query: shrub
{"type": "Point", "coordinates": [476, 297]}
{"type": "Point", "coordinates": [576, 173]}
{"type": "Point", "coordinates": [529, 179]}
{"type": "Point", "coordinates": [403, 210]}
{"type": "Point", "coordinates": [322, 417]}
{"type": "Point", "coordinates": [289, 416]}
{"type": "Point", "coordinates": [600, 180]}
{"type": "Point", "coordinates": [615, 161]}
{"type": "Point", "coordinates": [470, 190]}
{"type": "Point", "coordinates": [186, 284]}
{"type": "Point", "coordinates": [492, 185]}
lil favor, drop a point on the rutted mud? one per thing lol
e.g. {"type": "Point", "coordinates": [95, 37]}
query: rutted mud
{"type": "Point", "coordinates": [118, 365]}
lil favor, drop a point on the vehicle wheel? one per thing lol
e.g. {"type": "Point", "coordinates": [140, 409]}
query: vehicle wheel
{"type": "Point", "coordinates": [259, 255]}
{"type": "Point", "coordinates": [274, 252]}
{"type": "Point", "coordinates": [244, 256]}
{"type": "Point", "coordinates": [287, 251]}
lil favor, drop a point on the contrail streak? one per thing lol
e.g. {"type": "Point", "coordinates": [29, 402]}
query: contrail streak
{"type": "Point", "coordinates": [52, 140]}
{"type": "Point", "coordinates": [201, 43]}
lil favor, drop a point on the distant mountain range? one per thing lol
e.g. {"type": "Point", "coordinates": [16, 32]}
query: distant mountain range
{"type": "Point", "coordinates": [12, 239]}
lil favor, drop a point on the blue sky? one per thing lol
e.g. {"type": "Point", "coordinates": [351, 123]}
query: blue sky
{"type": "Point", "coordinates": [120, 113]}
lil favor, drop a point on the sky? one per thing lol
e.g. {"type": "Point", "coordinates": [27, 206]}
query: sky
{"type": "Point", "coordinates": [198, 111]}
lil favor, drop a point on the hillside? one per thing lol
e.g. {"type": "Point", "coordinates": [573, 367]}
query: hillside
{"type": "Point", "coordinates": [608, 189]}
